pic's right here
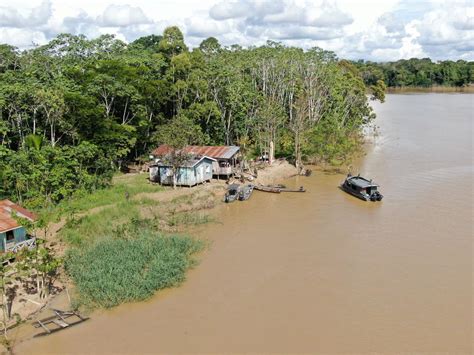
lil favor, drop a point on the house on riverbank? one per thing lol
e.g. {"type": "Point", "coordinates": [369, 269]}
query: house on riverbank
{"type": "Point", "coordinates": [226, 158]}
{"type": "Point", "coordinates": [13, 236]}
{"type": "Point", "coordinates": [194, 171]}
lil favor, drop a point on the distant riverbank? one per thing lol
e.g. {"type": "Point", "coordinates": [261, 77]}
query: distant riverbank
{"type": "Point", "coordinates": [440, 89]}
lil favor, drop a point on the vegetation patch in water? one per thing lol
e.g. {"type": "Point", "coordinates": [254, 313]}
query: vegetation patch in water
{"type": "Point", "coordinates": [130, 267]}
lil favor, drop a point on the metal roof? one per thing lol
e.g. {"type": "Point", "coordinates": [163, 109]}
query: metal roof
{"type": "Point", "coordinates": [361, 182]}
{"type": "Point", "coordinates": [216, 152]}
{"type": "Point", "coordinates": [189, 163]}
{"type": "Point", "coordinates": [7, 222]}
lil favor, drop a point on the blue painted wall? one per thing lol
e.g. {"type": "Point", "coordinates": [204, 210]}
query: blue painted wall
{"type": "Point", "coordinates": [188, 176]}
{"type": "Point", "coordinates": [20, 236]}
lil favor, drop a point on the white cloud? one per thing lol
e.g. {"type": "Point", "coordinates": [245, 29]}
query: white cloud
{"type": "Point", "coordinates": [200, 27]}
{"type": "Point", "coordinates": [122, 16]}
{"type": "Point", "coordinates": [230, 9]}
{"type": "Point", "coordinates": [82, 23]}
{"type": "Point", "coordinates": [366, 29]}
{"type": "Point", "coordinates": [11, 17]}
{"type": "Point", "coordinates": [131, 33]}
{"type": "Point", "coordinates": [21, 37]}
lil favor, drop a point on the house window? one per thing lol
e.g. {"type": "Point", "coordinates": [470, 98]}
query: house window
{"type": "Point", "coordinates": [10, 236]}
{"type": "Point", "coordinates": [208, 169]}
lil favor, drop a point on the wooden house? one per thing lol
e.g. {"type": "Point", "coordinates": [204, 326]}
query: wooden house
{"type": "Point", "coordinates": [13, 236]}
{"type": "Point", "coordinates": [196, 170]}
{"type": "Point", "coordinates": [226, 157]}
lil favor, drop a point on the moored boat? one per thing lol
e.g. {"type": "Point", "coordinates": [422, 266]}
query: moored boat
{"type": "Point", "coordinates": [278, 188]}
{"type": "Point", "coordinates": [245, 192]}
{"type": "Point", "coordinates": [263, 188]}
{"type": "Point", "coordinates": [362, 188]}
{"type": "Point", "coordinates": [232, 193]}
{"type": "Point", "coordinates": [300, 189]}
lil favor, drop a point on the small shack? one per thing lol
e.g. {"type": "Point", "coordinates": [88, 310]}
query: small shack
{"type": "Point", "coordinates": [194, 171]}
{"type": "Point", "coordinates": [13, 236]}
{"type": "Point", "coordinates": [226, 158]}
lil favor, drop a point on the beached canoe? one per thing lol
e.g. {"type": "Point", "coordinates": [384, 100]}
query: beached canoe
{"type": "Point", "coordinates": [272, 189]}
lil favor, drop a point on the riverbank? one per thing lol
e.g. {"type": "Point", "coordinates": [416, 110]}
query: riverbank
{"type": "Point", "coordinates": [178, 211]}
{"type": "Point", "coordinates": [433, 89]}
{"type": "Point", "coordinates": [324, 272]}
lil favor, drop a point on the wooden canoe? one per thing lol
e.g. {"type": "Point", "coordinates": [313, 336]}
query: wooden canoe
{"type": "Point", "coordinates": [272, 189]}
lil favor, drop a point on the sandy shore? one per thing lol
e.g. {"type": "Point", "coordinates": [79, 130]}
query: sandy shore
{"type": "Point", "coordinates": [214, 191]}
{"type": "Point", "coordinates": [273, 174]}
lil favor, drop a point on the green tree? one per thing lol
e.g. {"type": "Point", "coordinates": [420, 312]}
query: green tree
{"type": "Point", "coordinates": [178, 134]}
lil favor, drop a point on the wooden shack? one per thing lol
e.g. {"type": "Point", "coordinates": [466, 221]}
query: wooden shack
{"type": "Point", "coordinates": [194, 171]}
{"type": "Point", "coordinates": [13, 236]}
{"type": "Point", "coordinates": [226, 157]}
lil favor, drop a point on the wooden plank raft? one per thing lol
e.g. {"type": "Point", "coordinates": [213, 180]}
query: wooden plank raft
{"type": "Point", "coordinates": [60, 320]}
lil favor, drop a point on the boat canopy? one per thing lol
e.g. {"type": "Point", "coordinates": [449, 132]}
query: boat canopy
{"type": "Point", "coordinates": [361, 182]}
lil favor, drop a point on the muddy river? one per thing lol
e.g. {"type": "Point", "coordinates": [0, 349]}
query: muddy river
{"type": "Point", "coordinates": [323, 271]}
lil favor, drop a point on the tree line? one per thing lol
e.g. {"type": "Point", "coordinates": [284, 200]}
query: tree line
{"type": "Point", "coordinates": [74, 111]}
{"type": "Point", "coordinates": [418, 72]}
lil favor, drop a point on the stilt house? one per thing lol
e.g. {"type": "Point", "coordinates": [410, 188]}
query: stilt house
{"type": "Point", "coordinates": [13, 236]}
{"type": "Point", "coordinates": [194, 171]}
{"type": "Point", "coordinates": [226, 157]}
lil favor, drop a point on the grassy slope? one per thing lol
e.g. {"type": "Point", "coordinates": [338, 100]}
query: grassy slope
{"type": "Point", "coordinates": [120, 248]}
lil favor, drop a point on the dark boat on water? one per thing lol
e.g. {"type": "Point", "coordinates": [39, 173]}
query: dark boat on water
{"type": "Point", "coordinates": [232, 193]}
{"type": "Point", "coordinates": [362, 188]}
{"type": "Point", "coordinates": [245, 192]}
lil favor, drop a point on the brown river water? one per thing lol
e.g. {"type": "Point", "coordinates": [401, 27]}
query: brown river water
{"type": "Point", "coordinates": [321, 271]}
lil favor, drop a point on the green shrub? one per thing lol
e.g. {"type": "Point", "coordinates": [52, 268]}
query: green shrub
{"type": "Point", "coordinates": [125, 269]}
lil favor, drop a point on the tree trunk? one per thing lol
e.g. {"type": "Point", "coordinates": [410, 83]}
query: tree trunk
{"type": "Point", "coordinates": [174, 179]}
{"type": "Point", "coordinates": [298, 162]}
{"type": "Point", "coordinates": [38, 287]}
{"type": "Point", "coordinates": [53, 135]}
{"type": "Point", "coordinates": [4, 310]}
{"type": "Point", "coordinates": [271, 154]}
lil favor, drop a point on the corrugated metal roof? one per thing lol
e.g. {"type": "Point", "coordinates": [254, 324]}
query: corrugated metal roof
{"type": "Point", "coordinates": [216, 152]}
{"type": "Point", "coordinates": [191, 162]}
{"type": "Point", "coordinates": [7, 222]}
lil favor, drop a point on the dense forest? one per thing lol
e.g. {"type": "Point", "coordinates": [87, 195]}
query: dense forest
{"type": "Point", "coordinates": [418, 72]}
{"type": "Point", "coordinates": [74, 111]}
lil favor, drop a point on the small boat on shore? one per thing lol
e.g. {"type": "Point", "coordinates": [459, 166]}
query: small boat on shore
{"type": "Point", "coordinates": [245, 192]}
{"type": "Point", "coordinates": [232, 193]}
{"type": "Point", "coordinates": [278, 188]}
{"type": "Point", "coordinates": [300, 189]}
{"type": "Point", "coordinates": [272, 189]}
{"type": "Point", "coordinates": [361, 188]}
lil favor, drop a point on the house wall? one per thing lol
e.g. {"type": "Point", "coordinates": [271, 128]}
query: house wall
{"type": "Point", "coordinates": [20, 236]}
{"type": "Point", "coordinates": [187, 176]}
{"type": "Point", "coordinates": [154, 173]}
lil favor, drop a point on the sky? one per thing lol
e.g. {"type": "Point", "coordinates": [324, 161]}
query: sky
{"type": "Point", "coordinates": [383, 30]}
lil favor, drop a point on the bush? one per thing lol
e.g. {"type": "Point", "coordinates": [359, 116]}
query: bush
{"type": "Point", "coordinates": [118, 270]}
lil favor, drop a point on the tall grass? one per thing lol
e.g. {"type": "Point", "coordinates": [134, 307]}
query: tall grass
{"type": "Point", "coordinates": [80, 231]}
{"type": "Point", "coordinates": [116, 193]}
{"type": "Point", "coordinates": [115, 254]}
{"type": "Point", "coordinates": [130, 266]}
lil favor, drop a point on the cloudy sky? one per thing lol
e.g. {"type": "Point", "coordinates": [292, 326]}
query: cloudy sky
{"type": "Point", "coordinates": [364, 29]}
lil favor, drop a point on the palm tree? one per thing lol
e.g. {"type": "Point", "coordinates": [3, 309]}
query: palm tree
{"type": "Point", "coordinates": [34, 141]}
